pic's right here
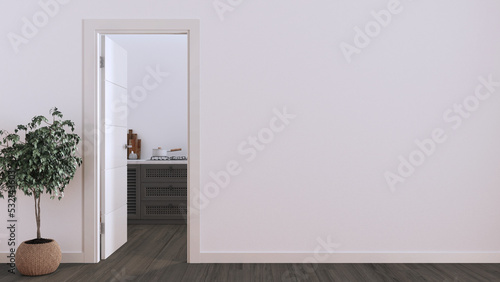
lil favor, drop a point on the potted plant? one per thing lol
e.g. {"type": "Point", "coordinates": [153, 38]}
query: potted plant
{"type": "Point", "coordinates": [42, 156]}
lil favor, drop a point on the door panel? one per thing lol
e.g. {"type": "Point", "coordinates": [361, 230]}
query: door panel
{"type": "Point", "coordinates": [115, 235]}
{"type": "Point", "coordinates": [114, 156]}
{"type": "Point", "coordinates": [116, 153]}
{"type": "Point", "coordinates": [115, 99]}
{"type": "Point", "coordinates": [115, 63]}
{"type": "Point", "coordinates": [114, 178]}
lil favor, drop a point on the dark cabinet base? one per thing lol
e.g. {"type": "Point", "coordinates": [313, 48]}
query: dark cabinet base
{"type": "Point", "coordinates": [157, 194]}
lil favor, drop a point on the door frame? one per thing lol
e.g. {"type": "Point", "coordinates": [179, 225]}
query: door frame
{"type": "Point", "coordinates": [92, 149]}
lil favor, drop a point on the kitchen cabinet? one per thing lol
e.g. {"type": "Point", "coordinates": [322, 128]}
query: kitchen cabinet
{"type": "Point", "coordinates": [157, 193]}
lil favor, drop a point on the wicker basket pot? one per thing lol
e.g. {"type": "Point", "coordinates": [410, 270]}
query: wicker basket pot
{"type": "Point", "coordinates": [38, 259]}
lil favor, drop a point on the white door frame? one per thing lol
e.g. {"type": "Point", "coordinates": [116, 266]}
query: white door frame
{"type": "Point", "coordinates": [92, 29]}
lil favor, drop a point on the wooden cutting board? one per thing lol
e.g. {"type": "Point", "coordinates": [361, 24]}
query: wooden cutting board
{"type": "Point", "coordinates": [135, 143]}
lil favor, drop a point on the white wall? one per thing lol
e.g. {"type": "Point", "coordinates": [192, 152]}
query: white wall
{"type": "Point", "coordinates": [323, 175]}
{"type": "Point", "coordinates": [157, 104]}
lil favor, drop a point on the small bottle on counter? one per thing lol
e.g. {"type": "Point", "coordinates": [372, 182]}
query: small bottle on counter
{"type": "Point", "coordinates": [132, 156]}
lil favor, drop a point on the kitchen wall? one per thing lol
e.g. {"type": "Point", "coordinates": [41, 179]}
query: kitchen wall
{"type": "Point", "coordinates": [372, 125]}
{"type": "Point", "coordinates": [157, 94]}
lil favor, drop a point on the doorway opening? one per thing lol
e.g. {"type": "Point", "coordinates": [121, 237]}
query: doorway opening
{"type": "Point", "coordinates": [121, 91]}
{"type": "Point", "coordinates": [144, 89]}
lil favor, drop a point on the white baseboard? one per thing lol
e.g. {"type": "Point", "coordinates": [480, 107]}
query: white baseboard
{"type": "Point", "coordinates": [66, 258]}
{"type": "Point", "coordinates": [348, 258]}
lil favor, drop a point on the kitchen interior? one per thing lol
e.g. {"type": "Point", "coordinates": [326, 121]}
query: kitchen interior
{"type": "Point", "coordinates": [157, 119]}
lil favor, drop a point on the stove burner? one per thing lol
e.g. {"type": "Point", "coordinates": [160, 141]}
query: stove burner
{"type": "Point", "coordinates": [173, 158]}
{"type": "Point", "coordinates": [165, 158]}
{"type": "Point", "coordinates": [178, 158]}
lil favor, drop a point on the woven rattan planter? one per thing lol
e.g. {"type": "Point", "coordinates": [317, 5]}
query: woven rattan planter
{"type": "Point", "coordinates": [38, 259]}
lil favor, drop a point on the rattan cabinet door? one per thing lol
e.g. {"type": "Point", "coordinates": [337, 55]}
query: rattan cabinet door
{"type": "Point", "coordinates": [164, 173]}
{"type": "Point", "coordinates": [164, 210]}
{"type": "Point", "coordinates": [165, 191]}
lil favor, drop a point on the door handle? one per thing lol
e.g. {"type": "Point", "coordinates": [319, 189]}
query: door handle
{"type": "Point", "coordinates": [128, 146]}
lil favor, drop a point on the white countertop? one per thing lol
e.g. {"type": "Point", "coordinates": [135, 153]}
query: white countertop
{"type": "Point", "coordinates": [148, 162]}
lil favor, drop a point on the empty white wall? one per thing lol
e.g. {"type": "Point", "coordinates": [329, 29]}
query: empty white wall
{"type": "Point", "coordinates": [157, 98]}
{"type": "Point", "coordinates": [323, 175]}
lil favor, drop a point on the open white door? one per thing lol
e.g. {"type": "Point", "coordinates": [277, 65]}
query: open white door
{"type": "Point", "coordinates": [114, 153]}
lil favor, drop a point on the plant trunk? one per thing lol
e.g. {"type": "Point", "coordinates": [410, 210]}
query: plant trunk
{"type": "Point", "coordinates": [37, 215]}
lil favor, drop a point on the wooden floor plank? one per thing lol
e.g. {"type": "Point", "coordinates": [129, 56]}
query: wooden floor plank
{"type": "Point", "coordinates": [196, 272]}
{"type": "Point", "coordinates": [170, 264]}
{"type": "Point", "coordinates": [282, 272]}
{"type": "Point", "coordinates": [218, 272]}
